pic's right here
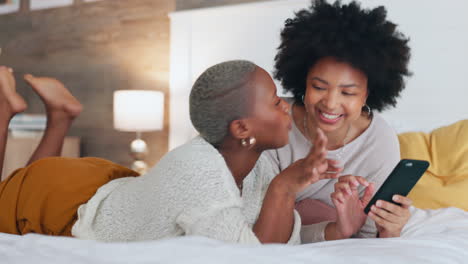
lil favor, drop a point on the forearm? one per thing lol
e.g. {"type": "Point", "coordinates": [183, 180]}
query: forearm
{"type": "Point", "coordinates": [332, 232]}
{"type": "Point", "coordinates": [276, 220]}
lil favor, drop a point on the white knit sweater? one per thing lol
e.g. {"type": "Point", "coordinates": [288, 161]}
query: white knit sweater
{"type": "Point", "coordinates": [191, 191]}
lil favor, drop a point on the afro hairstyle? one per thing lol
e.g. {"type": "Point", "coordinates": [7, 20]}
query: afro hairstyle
{"type": "Point", "coordinates": [363, 38]}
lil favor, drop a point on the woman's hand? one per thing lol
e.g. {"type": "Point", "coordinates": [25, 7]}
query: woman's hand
{"type": "Point", "coordinates": [349, 206]}
{"type": "Point", "coordinates": [312, 168]}
{"type": "Point", "coordinates": [391, 218]}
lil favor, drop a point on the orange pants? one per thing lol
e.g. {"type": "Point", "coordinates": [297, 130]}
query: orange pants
{"type": "Point", "coordinates": [44, 197]}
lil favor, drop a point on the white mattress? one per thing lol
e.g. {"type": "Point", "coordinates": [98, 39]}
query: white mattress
{"type": "Point", "coordinates": [439, 236]}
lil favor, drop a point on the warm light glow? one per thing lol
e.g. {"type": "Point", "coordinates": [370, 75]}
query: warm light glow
{"type": "Point", "coordinates": [138, 110]}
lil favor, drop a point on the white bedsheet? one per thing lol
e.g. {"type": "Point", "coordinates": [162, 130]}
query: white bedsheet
{"type": "Point", "coordinates": [438, 236]}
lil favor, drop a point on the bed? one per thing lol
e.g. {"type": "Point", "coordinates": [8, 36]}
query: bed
{"type": "Point", "coordinates": [432, 236]}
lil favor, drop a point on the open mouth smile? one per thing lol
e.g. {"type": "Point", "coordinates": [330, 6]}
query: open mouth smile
{"type": "Point", "coordinates": [329, 118]}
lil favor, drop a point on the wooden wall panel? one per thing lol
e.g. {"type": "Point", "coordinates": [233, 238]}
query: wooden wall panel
{"type": "Point", "coordinates": [95, 49]}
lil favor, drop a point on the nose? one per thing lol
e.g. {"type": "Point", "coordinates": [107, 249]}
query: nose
{"type": "Point", "coordinates": [331, 100]}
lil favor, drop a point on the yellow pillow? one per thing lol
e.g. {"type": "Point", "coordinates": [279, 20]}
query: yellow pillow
{"type": "Point", "coordinates": [445, 183]}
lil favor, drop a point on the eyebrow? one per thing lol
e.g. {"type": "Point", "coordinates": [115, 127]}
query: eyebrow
{"type": "Point", "coordinates": [341, 85]}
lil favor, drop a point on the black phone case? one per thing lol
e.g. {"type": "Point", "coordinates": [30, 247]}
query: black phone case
{"type": "Point", "coordinates": [402, 179]}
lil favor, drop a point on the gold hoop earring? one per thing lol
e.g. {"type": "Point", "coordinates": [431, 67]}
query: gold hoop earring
{"type": "Point", "coordinates": [249, 142]}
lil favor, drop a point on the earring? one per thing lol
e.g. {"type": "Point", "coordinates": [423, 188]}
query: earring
{"type": "Point", "coordinates": [248, 142]}
{"type": "Point", "coordinates": [303, 98]}
{"type": "Point", "coordinates": [367, 108]}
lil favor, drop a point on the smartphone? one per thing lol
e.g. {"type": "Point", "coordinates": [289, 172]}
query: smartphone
{"type": "Point", "coordinates": [401, 180]}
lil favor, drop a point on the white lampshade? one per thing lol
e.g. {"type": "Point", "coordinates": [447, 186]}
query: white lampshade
{"type": "Point", "coordinates": [138, 110]}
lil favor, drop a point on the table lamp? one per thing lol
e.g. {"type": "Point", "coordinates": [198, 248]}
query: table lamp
{"type": "Point", "coordinates": [138, 111]}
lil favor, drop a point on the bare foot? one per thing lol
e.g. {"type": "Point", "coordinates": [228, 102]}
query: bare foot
{"type": "Point", "coordinates": [56, 97]}
{"type": "Point", "coordinates": [11, 102]}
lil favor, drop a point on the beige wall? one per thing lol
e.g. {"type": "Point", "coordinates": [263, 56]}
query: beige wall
{"type": "Point", "coordinates": [94, 48]}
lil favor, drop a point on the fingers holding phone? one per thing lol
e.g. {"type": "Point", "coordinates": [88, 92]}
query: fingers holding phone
{"type": "Point", "coordinates": [390, 218]}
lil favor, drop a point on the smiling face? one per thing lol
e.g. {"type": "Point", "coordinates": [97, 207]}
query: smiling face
{"type": "Point", "coordinates": [335, 94]}
{"type": "Point", "coordinates": [269, 116]}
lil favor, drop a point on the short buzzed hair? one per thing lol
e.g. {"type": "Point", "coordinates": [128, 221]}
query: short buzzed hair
{"type": "Point", "coordinates": [218, 97]}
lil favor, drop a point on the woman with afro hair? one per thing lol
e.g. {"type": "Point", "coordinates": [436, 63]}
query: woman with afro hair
{"type": "Point", "coordinates": [343, 64]}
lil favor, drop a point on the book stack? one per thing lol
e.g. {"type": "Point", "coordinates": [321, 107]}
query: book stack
{"type": "Point", "coordinates": [27, 125]}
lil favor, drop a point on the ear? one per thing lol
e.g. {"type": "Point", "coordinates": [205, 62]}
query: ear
{"type": "Point", "coordinates": [240, 129]}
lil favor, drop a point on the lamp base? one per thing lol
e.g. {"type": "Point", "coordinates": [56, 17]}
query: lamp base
{"type": "Point", "coordinates": [139, 150]}
{"type": "Point", "coordinates": [140, 166]}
